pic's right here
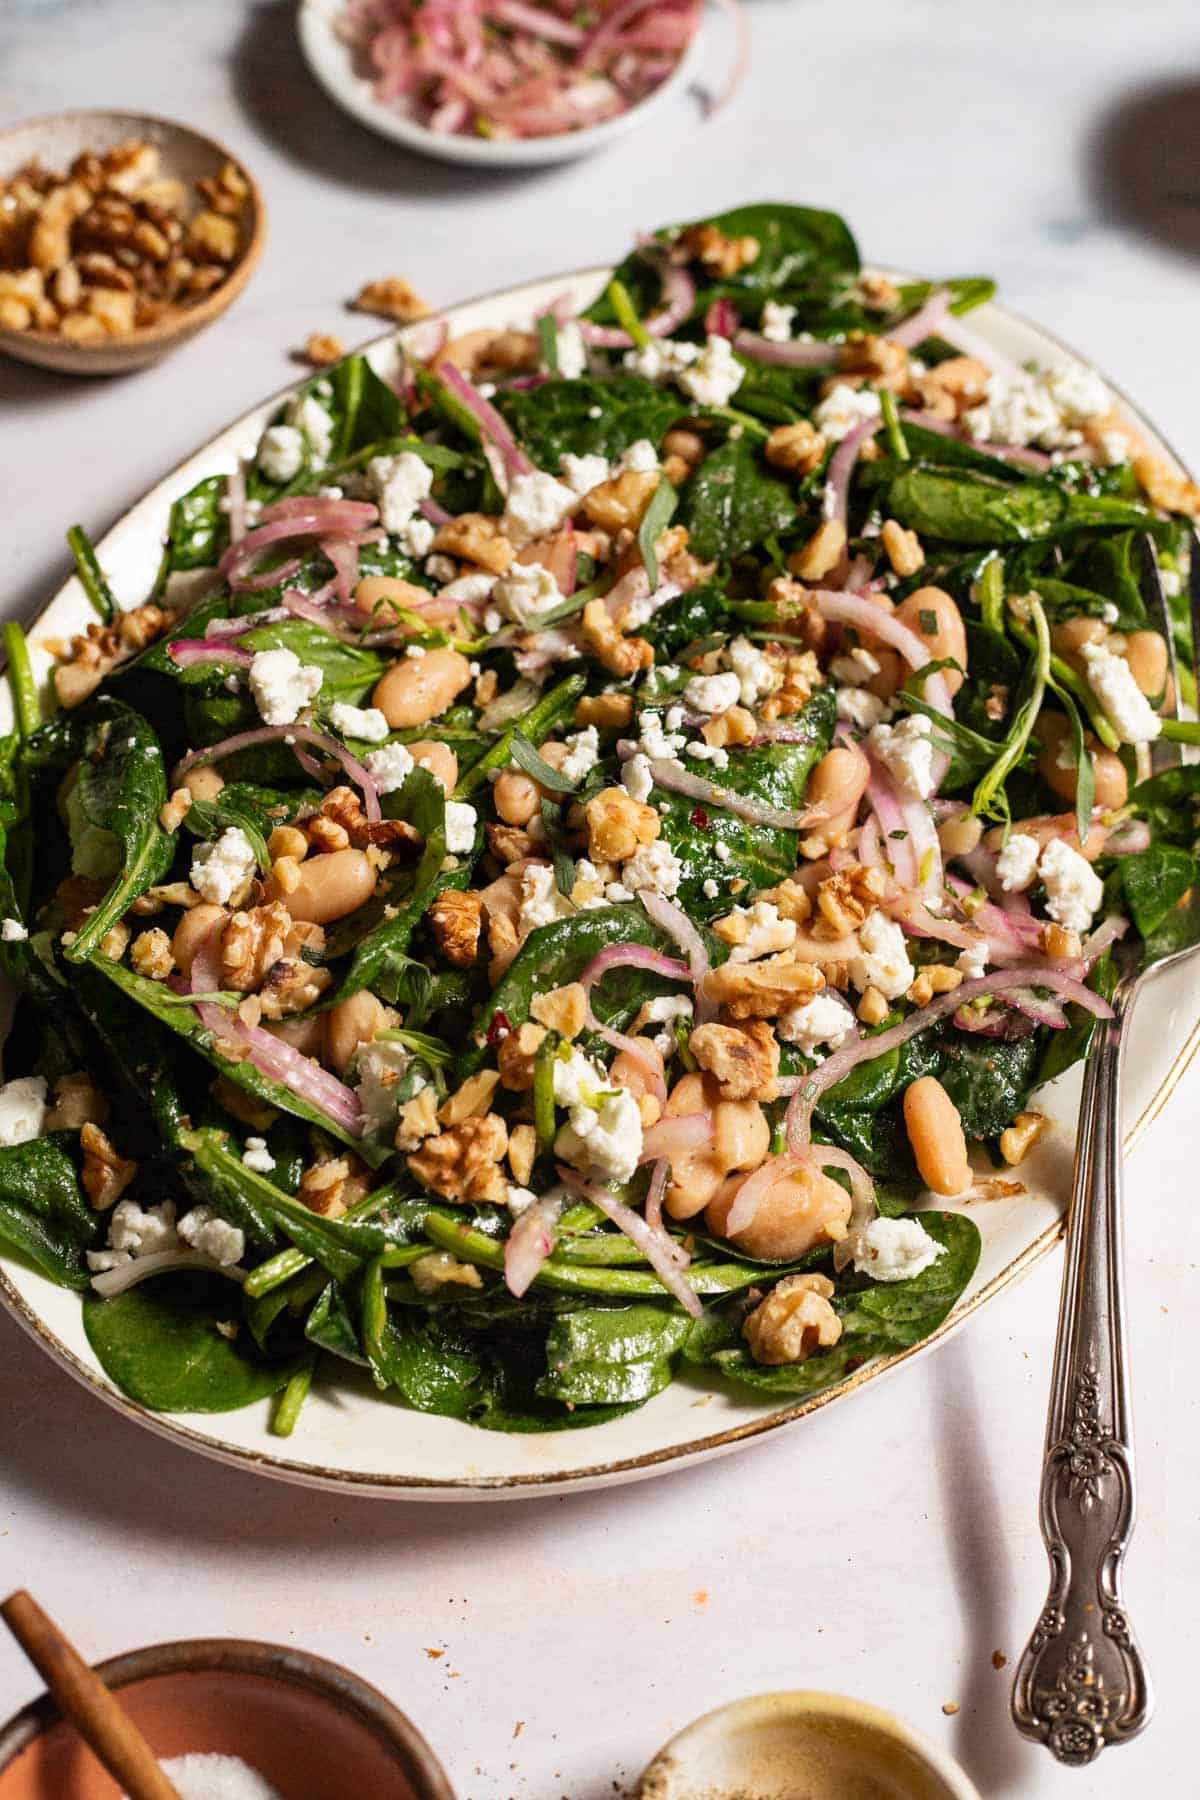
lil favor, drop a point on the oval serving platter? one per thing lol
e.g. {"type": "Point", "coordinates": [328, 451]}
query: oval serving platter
{"type": "Point", "coordinates": [356, 1443]}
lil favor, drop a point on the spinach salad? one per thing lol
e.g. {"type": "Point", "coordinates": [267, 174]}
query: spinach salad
{"type": "Point", "coordinates": [579, 842]}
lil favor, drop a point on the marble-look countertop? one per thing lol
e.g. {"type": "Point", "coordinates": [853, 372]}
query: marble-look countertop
{"type": "Point", "coordinates": [886, 1548]}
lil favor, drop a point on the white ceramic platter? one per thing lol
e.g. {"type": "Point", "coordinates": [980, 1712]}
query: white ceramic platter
{"type": "Point", "coordinates": [348, 1438]}
{"type": "Point", "coordinates": [332, 63]}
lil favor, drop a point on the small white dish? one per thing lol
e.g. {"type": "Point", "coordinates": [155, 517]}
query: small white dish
{"type": "Point", "coordinates": [803, 1746]}
{"type": "Point", "coordinates": [332, 63]}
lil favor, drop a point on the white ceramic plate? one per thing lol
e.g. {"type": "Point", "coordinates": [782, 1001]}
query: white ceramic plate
{"type": "Point", "coordinates": [349, 1438]}
{"type": "Point", "coordinates": [332, 63]}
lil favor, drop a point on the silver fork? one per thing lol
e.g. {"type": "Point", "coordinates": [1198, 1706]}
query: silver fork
{"type": "Point", "coordinates": [1081, 1682]}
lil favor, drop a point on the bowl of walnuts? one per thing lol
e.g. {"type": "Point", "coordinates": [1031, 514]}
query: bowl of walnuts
{"type": "Point", "coordinates": [121, 237]}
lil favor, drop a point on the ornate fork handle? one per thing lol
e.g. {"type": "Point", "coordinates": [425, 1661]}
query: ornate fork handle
{"type": "Point", "coordinates": [1081, 1683]}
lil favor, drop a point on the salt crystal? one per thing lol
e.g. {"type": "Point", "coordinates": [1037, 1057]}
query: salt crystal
{"type": "Point", "coordinates": [205, 1777]}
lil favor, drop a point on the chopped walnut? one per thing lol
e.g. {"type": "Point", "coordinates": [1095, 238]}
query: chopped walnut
{"type": "Point", "coordinates": [1018, 1140]}
{"type": "Point", "coordinates": [794, 1320]}
{"type": "Point", "coordinates": [736, 725]}
{"type": "Point", "coordinates": [799, 448]}
{"type": "Point", "coordinates": [618, 654]}
{"type": "Point", "coordinates": [292, 987]}
{"type": "Point", "coordinates": [822, 553]}
{"type": "Point", "coordinates": [439, 1269]}
{"type": "Point", "coordinates": [509, 843]}
{"type": "Point", "coordinates": [607, 712]}
{"type": "Point", "coordinates": [790, 900]}
{"type": "Point", "coordinates": [563, 1009]}
{"type": "Point", "coordinates": [330, 1187]}
{"type": "Point", "coordinates": [1165, 487]}
{"type": "Point", "coordinates": [463, 1163]}
{"type": "Point", "coordinates": [764, 989]}
{"type": "Point", "coordinates": [342, 812]}
{"type": "Point", "coordinates": [115, 941]}
{"type": "Point", "coordinates": [620, 503]}
{"type": "Point", "coordinates": [845, 899]}
{"type": "Point", "coordinates": [105, 1175]}
{"type": "Point", "coordinates": [488, 351]}
{"type": "Point", "coordinates": [903, 548]}
{"type": "Point", "coordinates": [877, 360]}
{"type": "Point", "coordinates": [516, 1054]}
{"type": "Point", "coordinates": [878, 291]}
{"type": "Point", "coordinates": [456, 920]}
{"type": "Point", "coordinates": [873, 1009]}
{"type": "Point", "coordinates": [720, 255]}
{"type": "Point", "coordinates": [322, 349]}
{"type": "Point", "coordinates": [934, 978]}
{"type": "Point", "coordinates": [958, 384]}
{"type": "Point", "coordinates": [522, 1150]}
{"type": "Point", "coordinates": [417, 1119]}
{"type": "Point", "coordinates": [94, 653]}
{"type": "Point", "coordinates": [391, 298]}
{"type": "Point", "coordinates": [1059, 940]}
{"type": "Point", "coordinates": [743, 1060]}
{"type": "Point", "coordinates": [77, 1101]}
{"type": "Point", "coordinates": [251, 944]}
{"type": "Point", "coordinates": [174, 811]}
{"type": "Point", "coordinates": [475, 538]}
{"type": "Point", "coordinates": [472, 1099]}
{"type": "Point", "coordinates": [799, 675]}
{"type": "Point", "coordinates": [151, 954]}
{"type": "Point", "coordinates": [617, 824]}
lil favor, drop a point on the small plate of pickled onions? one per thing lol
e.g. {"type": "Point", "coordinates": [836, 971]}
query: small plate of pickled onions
{"type": "Point", "coordinates": [506, 82]}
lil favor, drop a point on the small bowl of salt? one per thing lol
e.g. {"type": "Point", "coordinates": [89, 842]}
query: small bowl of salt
{"type": "Point", "coordinates": [232, 1720]}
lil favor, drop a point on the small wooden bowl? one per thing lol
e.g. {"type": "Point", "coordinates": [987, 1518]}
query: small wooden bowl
{"type": "Point", "coordinates": [55, 140]}
{"type": "Point", "coordinates": [309, 1727]}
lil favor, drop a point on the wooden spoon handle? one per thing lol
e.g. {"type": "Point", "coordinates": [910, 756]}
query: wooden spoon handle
{"type": "Point", "coordinates": [84, 1699]}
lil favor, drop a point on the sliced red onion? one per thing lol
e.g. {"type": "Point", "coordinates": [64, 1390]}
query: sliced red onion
{"type": "Point", "coordinates": [678, 780]}
{"type": "Point", "coordinates": [670, 1137]}
{"type": "Point", "coordinates": [633, 589]}
{"type": "Point", "coordinates": [1014, 453]}
{"type": "Point", "coordinates": [235, 495]}
{"type": "Point", "coordinates": [292, 735]}
{"type": "Point", "coordinates": [1129, 839]}
{"type": "Point", "coordinates": [437, 515]}
{"type": "Point", "coordinates": [864, 1209]}
{"type": "Point", "coordinates": [1042, 1011]}
{"type": "Point", "coordinates": [675, 922]}
{"type": "Point", "coordinates": [721, 319]}
{"type": "Point", "coordinates": [815, 353]}
{"type": "Point", "coordinates": [875, 621]}
{"type": "Point", "coordinates": [749, 1196]}
{"type": "Point", "coordinates": [633, 956]}
{"type": "Point", "coordinates": [661, 1252]}
{"type": "Point", "coordinates": [654, 1193]}
{"type": "Point", "coordinates": [538, 20]}
{"type": "Point", "coordinates": [897, 845]}
{"type": "Point", "coordinates": [494, 458]}
{"type": "Point", "coordinates": [488, 419]}
{"type": "Point", "coordinates": [968, 341]}
{"type": "Point", "coordinates": [835, 1068]}
{"type": "Point", "coordinates": [643, 1052]}
{"type": "Point", "coordinates": [994, 1021]}
{"type": "Point", "coordinates": [160, 1262]}
{"type": "Point", "coordinates": [835, 502]}
{"type": "Point", "coordinates": [531, 1241]}
{"type": "Point", "coordinates": [343, 554]}
{"type": "Point", "coordinates": [187, 652]}
{"type": "Point", "coordinates": [926, 322]}
{"type": "Point", "coordinates": [318, 518]}
{"type": "Point", "coordinates": [1107, 933]}
{"type": "Point", "coordinates": [678, 293]}
{"type": "Point", "coordinates": [858, 576]}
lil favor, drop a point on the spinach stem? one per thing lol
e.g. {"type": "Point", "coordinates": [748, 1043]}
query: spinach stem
{"type": "Point", "coordinates": [281, 1267]}
{"type": "Point", "coordinates": [536, 725]}
{"type": "Point", "coordinates": [991, 594]}
{"type": "Point", "coordinates": [897, 442]}
{"type": "Point", "coordinates": [91, 576]}
{"type": "Point", "coordinates": [290, 1401]}
{"type": "Point", "coordinates": [1181, 731]}
{"type": "Point", "coordinates": [992, 783]}
{"type": "Point", "coordinates": [621, 301]}
{"type": "Point", "coordinates": [20, 677]}
{"type": "Point", "coordinates": [754, 426]}
{"type": "Point", "coordinates": [1065, 677]}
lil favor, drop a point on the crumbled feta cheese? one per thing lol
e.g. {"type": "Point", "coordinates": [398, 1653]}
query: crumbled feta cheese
{"type": "Point", "coordinates": [537, 505]}
{"type": "Point", "coordinates": [257, 1157]}
{"type": "Point", "coordinates": [13, 932]}
{"type": "Point", "coordinates": [583, 473]}
{"type": "Point", "coordinates": [417, 538]}
{"type": "Point", "coordinates": [756, 673]}
{"type": "Point", "coordinates": [1111, 680]}
{"type": "Point", "coordinates": [1041, 406]}
{"type": "Point", "coordinates": [441, 568]}
{"type": "Point", "coordinates": [141, 1232]}
{"type": "Point", "coordinates": [636, 778]}
{"type": "Point", "coordinates": [660, 359]}
{"type": "Point", "coordinates": [541, 902]}
{"type": "Point", "coordinates": [664, 1010]}
{"type": "Point", "coordinates": [822, 1020]}
{"type": "Point", "coordinates": [314, 424]}
{"type": "Point", "coordinates": [713, 693]}
{"type": "Point", "coordinates": [658, 745]}
{"type": "Point", "coordinates": [380, 1069]}
{"type": "Point", "coordinates": [777, 321]}
{"type": "Point", "coordinates": [842, 409]}
{"type": "Point", "coordinates": [895, 1250]}
{"type": "Point", "coordinates": [766, 931]}
{"type": "Point", "coordinates": [222, 871]}
{"type": "Point", "coordinates": [654, 866]}
{"type": "Point", "coordinates": [399, 484]}
{"type": "Point", "coordinates": [675, 717]}
{"type": "Point", "coordinates": [861, 708]}
{"type": "Point", "coordinates": [1017, 863]}
{"type": "Point", "coordinates": [518, 1200]}
{"type": "Point", "coordinates": [282, 685]}
{"type": "Point", "coordinates": [884, 962]}
{"type": "Point", "coordinates": [855, 667]}
{"type": "Point", "coordinates": [461, 821]}
{"type": "Point", "coordinates": [715, 754]}
{"type": "Point", "coordinates": [605, 1140]}
{"type": "Point", "coordinates": [365, 722]}
{"type": "Point", "coordinates": [210, 1235]}
{"type": "Point", "coordinates": [641, 458]}
{"type": "Point", "coordinates": [716, 375]}
{"type": "Point", "coordinates": [906, 752]}
{"type": "Point", "coordinates": [583, 753]}
{"type": "Point", "coordinates": [389, 768]}
{"type": "Point", "coordinates": [467, 587]}
{"type": "Point", "coordinates": [527, 589]}
{"type": "Point", "coordinates": [22, 1109]}
{"type": "Point", "coordinates": [588, 890]}
{"type": "Point", "coordinates": [722, 852]}
{"type": "Point", "coordinates": [281, 453]}
{"type": "Point", "coordinates": [1073, 888]}
{"type": "Point", "coordinates": [616, 891]}
{"type": "Point", "coordinates": [711, 889]}
{"type": "Point", "coordinates": [1077, 390]}
{"type": "Point", "coordinates": [576, 1080]}
{"type": "Point", "coordinates": [572, 351]}
{"type": "Point", "coordinates": [973, 962]}
{"type": "Point", "coordinates": [415, 652]}
{"type": "Point", "coordinates": [1114, 448]}
{"type": "Point", "coordinates": [1172, 587]}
